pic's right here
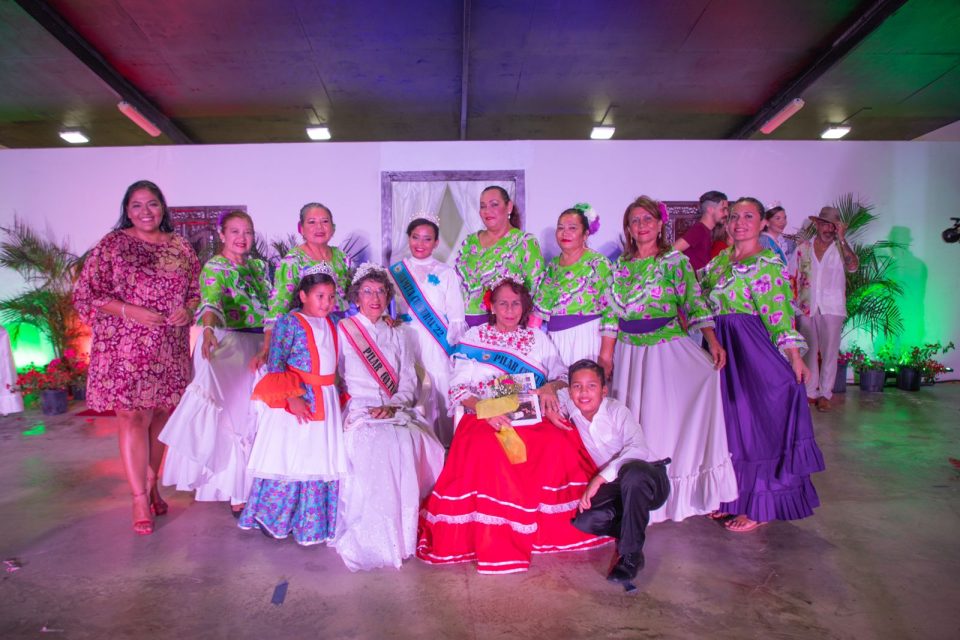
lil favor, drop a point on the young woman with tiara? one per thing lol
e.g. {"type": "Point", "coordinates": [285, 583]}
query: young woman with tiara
{"type": "Point", "coordinates": [430, 301]}
{"type": "Point", "coordinates": [317, 228]}
{"type": "Point", "coordinates": [574, 295]}
{"type": "Point", "coordinates": [497, 251]}
{"type": "Point", "coordinates": [298, 456]}
{"type": "Point", "coordinates": [210, 433]}
{"type": "Point", "coordinates": [669, 382]}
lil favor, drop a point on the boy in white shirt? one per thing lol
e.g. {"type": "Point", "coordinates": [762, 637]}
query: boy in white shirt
{"type": "Point", "coordinates": [618, 500]}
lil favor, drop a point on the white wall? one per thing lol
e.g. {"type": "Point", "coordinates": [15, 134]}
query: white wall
{"type": "Point", "coordinates": [914, 185]}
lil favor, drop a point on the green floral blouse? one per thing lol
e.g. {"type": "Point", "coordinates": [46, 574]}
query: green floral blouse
{"type": "Point", "coordinates": [516, 253]}
{"type": "Point", "coordinates": [582, 288]}
{"type": "Point", "coordinates": [759, 286]}
{"type": "Point", "coordinates": [658, 287]}
{"type": "Point", "coordinates": [236, 293]}
{"type": "Point", "coordinates": [287, 278]}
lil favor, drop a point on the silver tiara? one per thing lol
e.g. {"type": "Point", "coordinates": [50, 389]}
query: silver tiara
{"type": "Point", "coordinates": [424, 215]}
{"type": "Point", "coordinates": [366, 269]}
{"type": "Point", "coordinates": [503, 278]}
{"type": "Point", "coordinates": [320, 267]}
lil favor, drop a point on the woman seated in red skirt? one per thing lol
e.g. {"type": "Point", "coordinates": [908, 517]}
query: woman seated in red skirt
{"type": "Point", "coordinates": [506, 491]}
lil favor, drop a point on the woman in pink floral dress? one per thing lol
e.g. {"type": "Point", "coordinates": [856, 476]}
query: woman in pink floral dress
{"type": "Point", "coordinates": [138, 290]}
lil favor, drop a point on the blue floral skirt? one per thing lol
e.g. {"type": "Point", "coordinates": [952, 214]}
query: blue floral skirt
{"type": "Point", "coordinates": [307, 509]}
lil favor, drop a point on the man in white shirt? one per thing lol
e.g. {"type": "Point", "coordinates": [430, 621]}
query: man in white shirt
{"type": "Point", "coordinates": [618, 500]}
{"type": "Point", "coordinates": [821, 273]}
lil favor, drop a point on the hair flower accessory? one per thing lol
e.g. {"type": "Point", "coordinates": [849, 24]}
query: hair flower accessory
{"type": "Point", "coordinates": [593, 218]}
{"type": "Point", "coordinates": [488, 300]}
{"type": "Point", "coordinates": [664, 216]}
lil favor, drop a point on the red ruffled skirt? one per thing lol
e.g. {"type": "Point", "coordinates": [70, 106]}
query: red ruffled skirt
{"type": "Point", "coordinates": [487, 510]}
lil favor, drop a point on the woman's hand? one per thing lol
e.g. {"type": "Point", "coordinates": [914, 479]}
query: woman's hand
{"type": "Point", "coordinates": [548, 399]}
{"type": "Point", "coordinates": [499, 422]}
{"type": "Point", "coordinates": [717, 352]}
{"type": "Point", "coordinates": [298, 407]}
{"type": "Point", "coordinates": [143, 315]}
{"type": "Point", "coordinates": [470, 404]}
{"type": "Point", "coordinates": [590, 492]}
{"type": "Point", "coordinates": [210, 343]}
{"type": "Point", "coordinates": [382, 413]}
{"type": "Point", "coordinates": [800, 370]}
{"type": "Point", "coordinates": [180, 317]}
{"type": "Point", "coordinates": [606, 363]}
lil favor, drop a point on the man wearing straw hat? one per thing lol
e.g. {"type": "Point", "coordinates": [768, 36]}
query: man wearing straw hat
{"type": "Point", "coordinates": [822, 264]}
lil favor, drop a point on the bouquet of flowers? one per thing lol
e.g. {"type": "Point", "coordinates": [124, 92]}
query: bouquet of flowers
{"type": "Point", "coordinates": [502, 395]}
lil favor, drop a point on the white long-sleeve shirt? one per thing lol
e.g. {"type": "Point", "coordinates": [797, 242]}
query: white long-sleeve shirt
{"type": "Point", "coordinates": [612, 438]}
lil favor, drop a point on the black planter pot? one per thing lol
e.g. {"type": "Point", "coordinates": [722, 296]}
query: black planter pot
{"type": "Point", "coordinates": [840, 383]}
{"type": "Point", "coordinates": [53, 401]}
{"type": "Point", "coordinates": [908, 378]}
{"type": "Point", "coordinates": [872, 379]}
{"type": "Point", "coordinates": [78, 391]}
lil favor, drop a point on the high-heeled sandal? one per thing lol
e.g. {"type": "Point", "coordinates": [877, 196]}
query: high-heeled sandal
{"type": "Point", "coordinates": [158, 507]}
{"type": "Point", "coordinates": [143, 526]}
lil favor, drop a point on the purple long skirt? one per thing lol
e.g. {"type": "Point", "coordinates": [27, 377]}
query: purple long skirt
{"type": "Point", "coordinates": [769, 430]}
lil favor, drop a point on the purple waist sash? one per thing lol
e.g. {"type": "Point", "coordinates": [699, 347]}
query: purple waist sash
{"type": "Point", "coordinates": [646, 325]}
{"type": "Point", "coordinates": [475, 321]}
{"type": "Point", "coordinates": [247, 330]}
{"type": "Point", "coordinates": [563, 322]}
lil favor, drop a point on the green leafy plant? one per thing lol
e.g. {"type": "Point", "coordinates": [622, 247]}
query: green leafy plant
{"type": "Point", "coordinates": [922, 359]}
{"type": "Point", "coordinates": [871, 293]}
{"type": "Point", "coordinates": [49, 269]}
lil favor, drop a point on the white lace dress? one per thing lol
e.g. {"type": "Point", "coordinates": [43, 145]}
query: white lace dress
{"type": "Point", "coordinates": [392, 464]}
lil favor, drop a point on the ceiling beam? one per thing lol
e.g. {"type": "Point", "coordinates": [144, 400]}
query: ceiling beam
{"type": "Point", "coordinates": [464, 69]}
{"type": "Point", "coordinates": [59, 28]}
{"type": "Point", "coordinates": [865, 22]}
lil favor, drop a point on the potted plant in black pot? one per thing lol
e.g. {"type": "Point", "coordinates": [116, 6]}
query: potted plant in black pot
{"type": "Point", "coordinates": [908, 371]}
{"type": "Point", "coordinates": [845, 360]}
{"type": "Point", "coordinates": [924, 361]}
{"type": "Point", "coordinates": [873, 373]}
{"type": "Point", "coordinates": [48, 385]}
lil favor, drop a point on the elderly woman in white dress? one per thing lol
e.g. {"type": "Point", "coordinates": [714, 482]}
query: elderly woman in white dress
{"type": "Point", "coordinates": [393, 457]}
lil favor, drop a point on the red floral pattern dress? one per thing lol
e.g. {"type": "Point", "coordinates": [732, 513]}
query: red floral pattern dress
{"type": "Point", "coordinates": [133, 366]}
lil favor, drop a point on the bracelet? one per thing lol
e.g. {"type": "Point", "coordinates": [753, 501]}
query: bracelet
{"type": "Point", "coordinates": [123, 310]}
{"type": "Point", "coordinates": [207, 326]}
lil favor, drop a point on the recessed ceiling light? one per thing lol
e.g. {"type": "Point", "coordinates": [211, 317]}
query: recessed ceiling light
{"type": "Point", "coordinates": [835, 132]}
{"type": "Point", "coordinates": [602, 133]}
{"type": "Point", "coordinates": [318, 133]}
{"type": "Point", "coordinates": [74, 137]}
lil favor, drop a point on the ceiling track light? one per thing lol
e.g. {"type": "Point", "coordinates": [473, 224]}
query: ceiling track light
{"type": "Point", "coordinates": [602, 132]}
{"type": "Point", "coordinates": [74, 137]}
{"type": "Point", "coordinates": [782, 116]}
{"type": "Point", "coordinates": [138, 118]}
{"type": "Point", "coordinates": [318, 133]}
{"type": "Point", "coordinates": [835, 132]}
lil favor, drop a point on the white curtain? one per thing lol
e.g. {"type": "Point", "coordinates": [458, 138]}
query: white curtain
{"type": "Point", "coordinates": [410, 198]}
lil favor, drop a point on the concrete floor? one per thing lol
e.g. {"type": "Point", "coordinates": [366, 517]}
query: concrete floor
{"type": "Point", "coordinates": [880, 559]}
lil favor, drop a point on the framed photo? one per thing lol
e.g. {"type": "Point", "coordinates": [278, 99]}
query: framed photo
{"type": "Point", "coordinates": [680, 216]}
{"type": "Point", "coordinates": [529, 410]}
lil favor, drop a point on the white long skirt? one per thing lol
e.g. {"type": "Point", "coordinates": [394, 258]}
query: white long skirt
{"type": "Point", "coordinates": [210, 433]}
{"type": "Point", "coordinates": [578, 342]}
{"type": "Point", "coordinates": [392, 468]}
{"type": "Point", "coordinates": [433, 374]}
{"type": "Point", "coordinates": [10, 401]}
{"type": "Point", "coordinates": [674, 391]}
{"type": "Point", "coordinates": [285, 449]}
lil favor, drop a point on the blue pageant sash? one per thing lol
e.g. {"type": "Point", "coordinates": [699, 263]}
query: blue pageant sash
{"type": "Point", "coordinates": [503, 360]}
{"type": "Point", "coordinates": [418, 304]}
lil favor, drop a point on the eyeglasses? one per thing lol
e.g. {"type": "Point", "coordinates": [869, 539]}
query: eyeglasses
{"type": "Point", "coordinates": [370, 293]}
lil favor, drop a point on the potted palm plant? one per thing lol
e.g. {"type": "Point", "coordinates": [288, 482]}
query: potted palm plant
{"type": "Point", "coordinates": [49, 269]}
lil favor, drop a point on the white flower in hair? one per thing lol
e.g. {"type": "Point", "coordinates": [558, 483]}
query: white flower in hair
{"type": "Point", "coordinates": [424, 215]}
{"type": "Point", "coordinates": [320, 267]}
{"type": "Point", "coordinates": [593, 218]}
{"type": "Point", "coordinates": [366, 269]}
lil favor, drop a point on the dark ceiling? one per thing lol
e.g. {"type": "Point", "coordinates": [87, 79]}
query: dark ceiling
{"type": "Point", "coordinates": [248, 71]}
